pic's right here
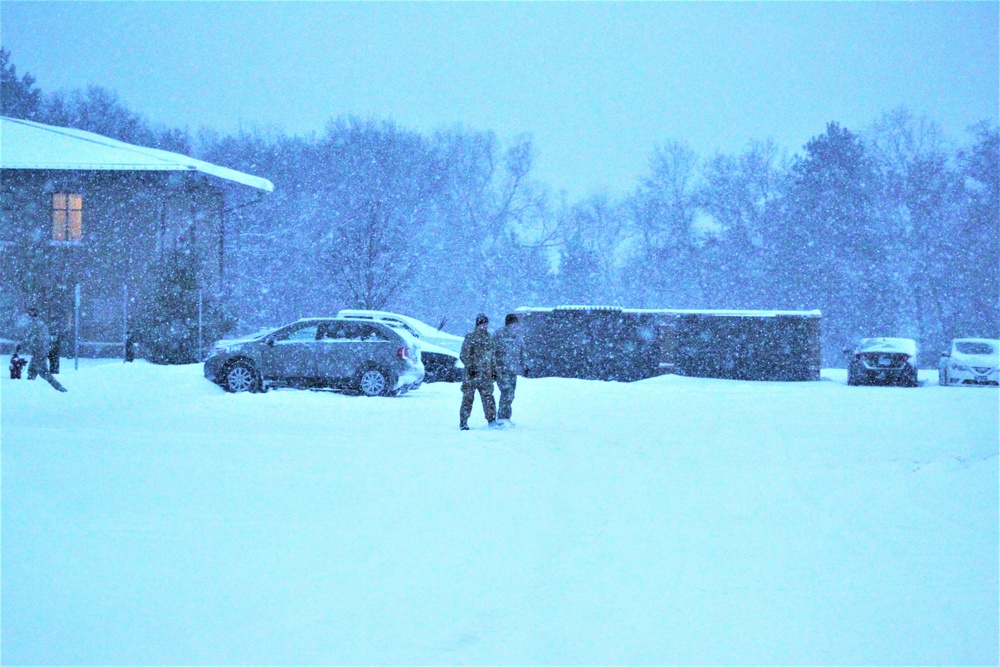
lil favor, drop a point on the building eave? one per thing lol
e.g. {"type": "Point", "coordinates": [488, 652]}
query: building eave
{"type": "Point", "coordinates": [28, 145]}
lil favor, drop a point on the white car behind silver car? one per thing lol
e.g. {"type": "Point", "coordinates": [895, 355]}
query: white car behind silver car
{"type": "Point", "coordinates": [438, 350]}
{"type": "Point", "coordinates": [419, 330]}
{"type": "Point", "coordinates": [974, 361]}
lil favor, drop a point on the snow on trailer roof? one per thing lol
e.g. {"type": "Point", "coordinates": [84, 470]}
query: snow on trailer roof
{"type": "Point", "coordinates": [25, 144]}
{"type": "Point", "coordinates": [674, 311]}
{"type": "Point", "coordinates": [730, 313]}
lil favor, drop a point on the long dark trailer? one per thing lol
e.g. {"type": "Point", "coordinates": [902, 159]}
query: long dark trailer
{"type": "Point", "coordinates": [627, 344]}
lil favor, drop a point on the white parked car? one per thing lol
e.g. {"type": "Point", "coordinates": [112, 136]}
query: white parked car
{"type": "Point", "coordinates": [416, 328]}
{"type": "Point", "coordinates": [970, 361]}
{"type": "Point", "coordinates": [438, 350]}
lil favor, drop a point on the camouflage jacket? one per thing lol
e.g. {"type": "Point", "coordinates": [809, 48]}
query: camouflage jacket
{"type": "Point", "coordinates": [37, 341]}
{"type": "Point", "coordinates": [509, 349]}
{"type": "Point", "coordinates": [477, 355]}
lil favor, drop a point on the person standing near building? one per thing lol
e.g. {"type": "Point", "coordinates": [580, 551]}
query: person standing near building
{"type": "Point", "coordinates": [37, 342]}
{"type": "Point", "coordinates": [510, 360]}
{"type": "Point", "coordinates": [480, 371]}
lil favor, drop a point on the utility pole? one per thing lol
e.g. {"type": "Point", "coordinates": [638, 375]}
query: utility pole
{"type": "Point", "coordinates": [76, 328]}
{"type": "Point", "coordinates": [200, 345]}
{"type": "Point", "coordinates": [124, 322]}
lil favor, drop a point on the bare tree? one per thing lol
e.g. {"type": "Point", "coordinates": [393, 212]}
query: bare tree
{"type": "Point", "coordinates": [494, 217]}
{"type": "Point", "coordinates": [919, 207]}
{"type": "Point", "coordinates": [662, 212]}
{"type": "Point", "coordinates": [591, 235]}
{"type": "Point", "coordinates": [738, 195]}
{"type": "Point", "coordinates": [375, 206]}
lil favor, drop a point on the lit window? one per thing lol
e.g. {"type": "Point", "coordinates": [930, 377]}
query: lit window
{"type": "Point", "coordinates": [67, 217]}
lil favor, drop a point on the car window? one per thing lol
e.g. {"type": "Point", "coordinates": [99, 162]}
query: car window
{"type": "Point", "coordinates": [369, 333]}
{"type": "Point", "coordinates": [298, 334]}
{"type": "Point", "coordinates": [394, 323]}
{"type": "Point", "coordinates": [340, 332]}
{"type": "Point", "coordinates": [969, 347]}
{"type": "Point", "coordinates": [390, 322]}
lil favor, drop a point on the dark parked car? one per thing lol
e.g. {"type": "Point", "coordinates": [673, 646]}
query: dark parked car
{"type": "Point", "coordinates": [365, 357]}
{"type": "Point", "coordinates": [889, 361]}
{"type": "Point", "coordinates": [440, 364]}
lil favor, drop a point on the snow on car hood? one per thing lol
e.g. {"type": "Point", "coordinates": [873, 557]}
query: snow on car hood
{"type": "Point", "coordinates": [903, 345]}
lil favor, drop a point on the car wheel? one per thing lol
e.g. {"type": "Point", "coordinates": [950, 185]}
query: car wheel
{"type": "Point", "coordinates": [943, 377]}
{"type": "Point", "coordinates": [852, 378]}
{"type": "Point", "coordinates": [910, 378]}
{"type": "Point", "coordinates": [373, 382]}
{"type": "Point", "coordinates": [240, 377]}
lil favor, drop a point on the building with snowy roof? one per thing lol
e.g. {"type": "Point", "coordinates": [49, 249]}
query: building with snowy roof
{"type": "Point", "coordinates": [80, 208]}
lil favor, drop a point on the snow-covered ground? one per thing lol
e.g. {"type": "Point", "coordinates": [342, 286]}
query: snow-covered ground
{"type": "Point", "coordinates": [150, 518]}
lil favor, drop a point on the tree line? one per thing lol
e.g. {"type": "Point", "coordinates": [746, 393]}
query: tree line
{"type": "Point", "coordinates": [888, 230]}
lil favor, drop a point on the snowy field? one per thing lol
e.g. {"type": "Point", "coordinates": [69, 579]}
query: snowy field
{"type": "Point", "coordinates": [150, 518]}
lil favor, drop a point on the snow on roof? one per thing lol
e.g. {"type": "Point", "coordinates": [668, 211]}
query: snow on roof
{"type": "Point", "coordinates": [28, 145]}
{"type": "Point", "coordinates": [733, 313]}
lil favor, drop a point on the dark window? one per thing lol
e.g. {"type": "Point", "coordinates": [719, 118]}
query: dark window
{"type": "Point", "coordinates": [353, 331]}
{"type": "Point", "coordinates": [334, 331]}
{"type": "Point", "coordinates": [369, 333]}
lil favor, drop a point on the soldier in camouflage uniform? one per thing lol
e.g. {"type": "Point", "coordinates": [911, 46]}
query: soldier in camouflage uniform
{"type": "Point", "coordinates": [37, 342]}
{"type": "Point", "coordinates": [510, 362]}
{"type": "Point", "coordinates": [480, 370]}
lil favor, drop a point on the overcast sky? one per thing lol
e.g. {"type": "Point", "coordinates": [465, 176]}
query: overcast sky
{"type": "Point", "coordinates": [596, 84]}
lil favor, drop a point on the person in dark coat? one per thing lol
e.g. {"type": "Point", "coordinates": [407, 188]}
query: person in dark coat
{"type": "Point", "coordinates": [129, 347]}
{"type": "Point", "coordinates": [480, 371]}
{"type": "Point", "coordinates": [510, 361]}
{"type": "Point", "coordinates": [54, 353]}
{"type": "Point", "coordinates": [17, 364]}
{"type": "Point", "coordinates": [38, 342]}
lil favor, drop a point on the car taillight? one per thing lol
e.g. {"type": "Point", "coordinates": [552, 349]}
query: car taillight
{"type": "Point", "coordinates": [906, 357]}
{"type": "Point", "coordinates": [857, 357]}
{"type": "Point", "coordinates": [403, 353]}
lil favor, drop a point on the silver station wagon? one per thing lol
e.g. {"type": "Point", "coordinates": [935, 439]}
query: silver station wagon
{"type": "Point", "coordinates": [363, 357]}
